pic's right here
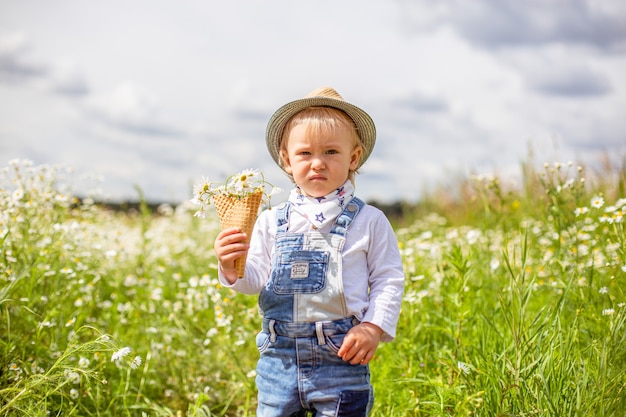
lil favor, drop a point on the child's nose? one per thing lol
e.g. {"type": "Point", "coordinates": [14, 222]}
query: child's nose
{"type": "Point", "coordinates": [318, 163]}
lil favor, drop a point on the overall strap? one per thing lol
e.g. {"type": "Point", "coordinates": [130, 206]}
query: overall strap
{"type": "Point", "coordinates": [347, 216]}
{"type": "Point", "coordinates": [282, 216]}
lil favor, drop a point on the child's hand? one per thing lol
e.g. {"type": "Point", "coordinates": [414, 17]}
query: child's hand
{"type": "Point", "coordinates": [360, 343]}
{"type": "Point", "coordinates": [229, 245]}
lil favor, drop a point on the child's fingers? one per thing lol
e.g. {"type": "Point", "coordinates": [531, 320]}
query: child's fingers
{"type": "Point", "coordinates": [230, 244]}
{"type": "Point", "coordinates": [229, 232]}
{"type": "Point", "coordinates": [359, 345]}
{"type": "Point", "coordinates": [349, 348]}
{"type": "Point", "coordinates": [230, 236]}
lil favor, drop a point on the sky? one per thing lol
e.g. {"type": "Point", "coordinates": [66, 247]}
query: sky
{"type": "Point", "coordinates": [158, 94]}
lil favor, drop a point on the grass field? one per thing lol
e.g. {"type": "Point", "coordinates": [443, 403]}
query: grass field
{"type": "Point", "coordinates": [515, 304]}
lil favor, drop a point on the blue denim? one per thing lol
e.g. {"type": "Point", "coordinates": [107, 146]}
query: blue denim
{"type": "Point", "coordinates": [304, 325]}
{"type": "Point", "coordinates": [299, 371]}
{"type": "Point", "coordinates": [306, 279]}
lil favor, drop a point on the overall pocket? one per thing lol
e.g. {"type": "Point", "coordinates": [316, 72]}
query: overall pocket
{"type": "Point", "coordinates": [300, 271]}
{"type": "Point", "coordinates": [335, 341]}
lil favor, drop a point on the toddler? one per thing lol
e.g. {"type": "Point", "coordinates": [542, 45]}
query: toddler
{"type": "Point", "coordinates": [326, 265]}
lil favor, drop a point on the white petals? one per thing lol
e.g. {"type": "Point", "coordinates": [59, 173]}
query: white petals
{"type": "Point", "coordinates": [120, 354]}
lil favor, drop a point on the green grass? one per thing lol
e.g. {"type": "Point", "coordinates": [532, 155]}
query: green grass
{"type": "Point", "coordinates": [514, 304]}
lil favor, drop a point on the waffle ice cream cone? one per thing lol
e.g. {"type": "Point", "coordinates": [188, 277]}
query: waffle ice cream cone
{"type": "Point", "coordinates": [242, 213]}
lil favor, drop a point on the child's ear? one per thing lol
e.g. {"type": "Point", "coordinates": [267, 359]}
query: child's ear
{"type": "Point", "coordinates": [284, 157]}
{"type": "Point", "coordinates": [355, 157]}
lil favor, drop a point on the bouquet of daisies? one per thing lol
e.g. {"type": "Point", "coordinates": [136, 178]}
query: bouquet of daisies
{"type": "Point", "coordinates": [236, 201]}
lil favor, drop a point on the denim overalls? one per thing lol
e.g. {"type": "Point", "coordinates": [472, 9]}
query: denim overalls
{"type": "Point", "coordinates": [304, 322]}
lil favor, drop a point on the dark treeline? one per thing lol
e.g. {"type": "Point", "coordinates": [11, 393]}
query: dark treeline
{"type": "Point", "coordinates": [394, 211]}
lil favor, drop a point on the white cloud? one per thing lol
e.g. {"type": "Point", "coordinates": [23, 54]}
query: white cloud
{"type": "Point", "coordinates": [511, 23]}
{"type": "Point", "coordinates": [16, 66]}
{"type": "Point", "coordinates": [131, 108]}
{"type": "Point", "coordinates": [164, 92]}
{"type": "Point", "coordinates": [19, 65]}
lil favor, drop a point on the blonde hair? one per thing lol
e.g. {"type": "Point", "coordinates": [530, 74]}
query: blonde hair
{"type": "Point", "coordinates": [319, 120]}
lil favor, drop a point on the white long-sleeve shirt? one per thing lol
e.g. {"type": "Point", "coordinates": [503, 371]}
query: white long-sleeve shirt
{"type": "Point", "coordinates": [373, 276]}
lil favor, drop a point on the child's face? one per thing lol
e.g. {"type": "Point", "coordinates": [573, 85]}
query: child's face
{"type": "Point", "coordinates": [321, 162]}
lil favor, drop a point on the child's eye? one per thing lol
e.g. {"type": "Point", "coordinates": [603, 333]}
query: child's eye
{"type": "Point", "coordinates": [331, 151]}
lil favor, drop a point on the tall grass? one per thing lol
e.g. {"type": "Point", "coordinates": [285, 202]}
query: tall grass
{"type": "Point", "coordinates": [514, 304]}
{"type": "Point", "coordinates": [519, 310]}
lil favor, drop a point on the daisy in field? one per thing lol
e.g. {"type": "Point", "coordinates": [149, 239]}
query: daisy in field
{"type": "Point", "coordinates": [597, 202]}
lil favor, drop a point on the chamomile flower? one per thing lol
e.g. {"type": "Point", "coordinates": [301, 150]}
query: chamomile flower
{"type": "Point", "coordinates": [239, 186]}
{"type": "Point", "coordinates": [120, 354]}
{"type": "Point", "coordinates": [18, 194]}
{"type": "Point", "coordinates": [72, 376]}
{"type": "Point", "coordinates": [494, 264]}
{"type": "Point", "coordinates": [83, 362]}
{"type": "Point", "coordinates": [136, 363]}
{"type": "Point", "coordinates": [246, 178]}
{"type": "Point", "coordinates": [74, 394]}
{"type": "Point", "coordinates": [463, 367]}
{"type": "Point", "coordinates": [597, 202]}
{"type": "Point", "coordinates": [580, 211]}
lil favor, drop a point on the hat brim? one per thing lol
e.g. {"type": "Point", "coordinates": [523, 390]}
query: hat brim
{"type": "Point", "coordinates": [276, 125]}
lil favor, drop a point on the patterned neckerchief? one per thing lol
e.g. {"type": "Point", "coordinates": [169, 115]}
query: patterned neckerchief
{"type": "Point", "coordinates": [320, 211]}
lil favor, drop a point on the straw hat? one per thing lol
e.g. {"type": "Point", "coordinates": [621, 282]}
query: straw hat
{"type": "Point", "coordinates": [320, 97]}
